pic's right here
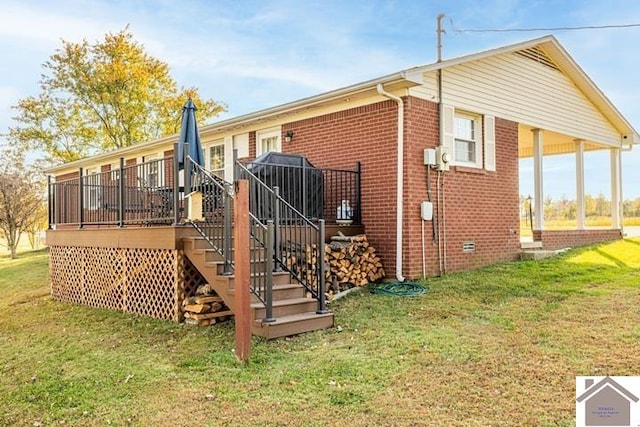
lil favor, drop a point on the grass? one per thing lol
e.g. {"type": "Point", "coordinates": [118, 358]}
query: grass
{"type": "Point", "coordinates": [497, 346]}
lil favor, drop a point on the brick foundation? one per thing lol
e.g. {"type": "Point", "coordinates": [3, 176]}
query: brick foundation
{"type": "Point", "coordinates": [559, 239]}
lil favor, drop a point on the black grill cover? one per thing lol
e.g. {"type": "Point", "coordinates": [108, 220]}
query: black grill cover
{"type": "Point", "coordinates": [300, 183]}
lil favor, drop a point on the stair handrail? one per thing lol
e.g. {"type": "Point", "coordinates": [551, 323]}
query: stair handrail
{"type": "Point", "coordinates": [292, 248]}
{"type": "Point", "coordinates": [261, 283]}
{"type": "Point", "coordinates": [215, 191]}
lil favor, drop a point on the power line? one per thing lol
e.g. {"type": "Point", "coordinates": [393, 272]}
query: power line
{"type": "Point", "coordinates": [512, 30]}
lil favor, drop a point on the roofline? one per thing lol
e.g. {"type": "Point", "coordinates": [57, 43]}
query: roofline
{"type": "Point", "coordinates": [412, 76]}
{"type": "Point", "coordinates": [408, 75]}
{"type": "Point", "coordinates": [569, 66]}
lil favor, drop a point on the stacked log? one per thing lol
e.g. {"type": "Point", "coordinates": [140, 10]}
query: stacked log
{"type": "Point", "coordinates": [205, 308]}
{"type": "Point", "coordinates": [349, 262]}
{"type": "Point", "coordinates": [352, 262]}
{"type": "Point", "coordinates": [302, 261]}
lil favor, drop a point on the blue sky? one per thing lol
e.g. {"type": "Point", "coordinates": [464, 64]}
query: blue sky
{"type": "Point", "coordinates": [256, 54]}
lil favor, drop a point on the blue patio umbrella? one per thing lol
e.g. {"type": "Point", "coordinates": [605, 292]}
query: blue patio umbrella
{"type": "Point", "coordinates": [189, 135]}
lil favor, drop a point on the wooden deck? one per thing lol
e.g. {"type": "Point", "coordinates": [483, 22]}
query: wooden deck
{"type": "Point", "coordinates": [152, 237]}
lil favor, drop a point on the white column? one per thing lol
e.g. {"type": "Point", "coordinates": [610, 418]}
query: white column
{"type": "Point", "coordinates": [538, 198]}
{"type": "Point", "coordinates": [580, 184]}
{"type": "Point", "coordinates": [616, 196]}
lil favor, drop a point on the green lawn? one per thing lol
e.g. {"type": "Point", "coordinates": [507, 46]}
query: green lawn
{"type": "Point", "coordinates": [498, 346]}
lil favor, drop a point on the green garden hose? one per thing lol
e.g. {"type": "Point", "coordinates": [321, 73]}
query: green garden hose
{"type": "Point", "coordinates": [399, 289]}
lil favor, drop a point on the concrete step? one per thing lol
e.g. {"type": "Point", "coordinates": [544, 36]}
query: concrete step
{"type": "Point", "coordinates": [530, 245]}
{"type": "Point", "coordinates": [537, 254]}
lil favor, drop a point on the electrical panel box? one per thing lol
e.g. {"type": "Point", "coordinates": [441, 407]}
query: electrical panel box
{"type": "Point", "coordinates": [426, 211]}
{"type": "Point", "coordinates": [429, 156]}
{"type": "Point", "coordinates": [443, 157]}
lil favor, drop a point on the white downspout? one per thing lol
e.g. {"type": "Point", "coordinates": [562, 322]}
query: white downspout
{"type": "Point", "coordinates": [399, 180]}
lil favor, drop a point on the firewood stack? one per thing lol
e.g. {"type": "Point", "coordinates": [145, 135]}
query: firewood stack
{"type": "Point", "coordinates": [205, 308]}
{"type": "Point", "coordinates": [352, 261]}
{"type": "Point", "coordinates": [349, 261]}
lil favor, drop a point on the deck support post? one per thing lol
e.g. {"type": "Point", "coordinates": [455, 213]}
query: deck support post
{"type": "Point", "coordinates": [80, 198]}
{"type": "Point", "coordinates": [49, 204]}
{"type": "Point", "coordinates": [276, 227]}
{"type": "Point", "coordinates": [322, 304]}
{"type": "Point", "coordinates": [121, 193]}
{"type": "Point", "coordinates": [176, 184]}
{"type": "Point", "coordinates": [242, 270]}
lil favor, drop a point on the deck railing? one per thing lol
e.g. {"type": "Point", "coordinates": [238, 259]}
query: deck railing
{"type": "Point", "coordinates": [140, 194]}
{"type": "Point", "coordinates": [330, 194]}
{"type": "Point", "coordinates": [287, 230]}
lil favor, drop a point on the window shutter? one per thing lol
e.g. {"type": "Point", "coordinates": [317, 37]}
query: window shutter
{"type": "Point", "coordinates": [447, 132]}
{"type": "Point", "coordinates": [490, 143]}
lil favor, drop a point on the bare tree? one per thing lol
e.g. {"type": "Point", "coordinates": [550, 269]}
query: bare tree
{"type": "Point", "coordinates": [21, 198]}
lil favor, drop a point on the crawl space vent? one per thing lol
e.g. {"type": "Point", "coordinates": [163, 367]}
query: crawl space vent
{"type": "Point", "coordinates": [468, 246]}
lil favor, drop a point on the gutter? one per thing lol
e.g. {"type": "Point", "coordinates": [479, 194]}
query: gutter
{"type": "Point", "coordinates": [409, 77]}
{"type": "Point", "coordinates": [399, 179]}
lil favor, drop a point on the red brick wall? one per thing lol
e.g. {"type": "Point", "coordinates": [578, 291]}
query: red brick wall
{"type": "Point", "coordinates": [366, 134]}
{"type": "Point", "coordinates": [252, 145]}
{"type": "Point", "coordinates": [481, 207]}
{"type": "Point", "coordinates": [559, 239]}
{"type": "Point", "coordinates": [64, 177]}
{"type": "Point", "coordinates": [421, 131]}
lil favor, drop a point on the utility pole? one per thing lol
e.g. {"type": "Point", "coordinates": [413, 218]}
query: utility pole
{"type": "Point", "coordinates": [439, 33]}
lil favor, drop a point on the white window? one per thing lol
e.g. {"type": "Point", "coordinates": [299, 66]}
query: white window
{"type": "Point", "coordinates": [115, 172]}
{"type": "Point", "coordinates": [216, 159]}
{"type": "Point", "coordinates": [92, 188]}
{"type": "Point", "coordinates": [467, 143]}
{"type": "Point", "coordinates": [152, 171]}
{"type": "Point", "coordinates": [467, 136]}
{"type": "Point", "coordinates": [268, 140]}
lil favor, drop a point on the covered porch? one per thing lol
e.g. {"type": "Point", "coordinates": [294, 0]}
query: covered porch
{"type": "Point", "coordinates": [570, 157]}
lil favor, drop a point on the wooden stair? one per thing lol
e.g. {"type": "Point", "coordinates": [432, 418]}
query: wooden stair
{"type": "Point", "coordinates": [294, 313]}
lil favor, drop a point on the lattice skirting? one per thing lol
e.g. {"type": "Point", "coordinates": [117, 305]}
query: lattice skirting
{"type": "Point", "coordinates": [149, 282]}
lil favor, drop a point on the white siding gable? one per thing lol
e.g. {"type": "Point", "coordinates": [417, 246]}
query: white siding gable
{"type": "Point", "coordinates": [520, 89]}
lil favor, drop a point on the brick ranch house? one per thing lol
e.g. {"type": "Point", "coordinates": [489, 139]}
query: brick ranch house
{"type": "Point", "coordinates": [479, 114]}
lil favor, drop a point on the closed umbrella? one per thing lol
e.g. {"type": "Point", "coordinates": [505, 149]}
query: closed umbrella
{"type": "Point", "coordinates": [189, 135]}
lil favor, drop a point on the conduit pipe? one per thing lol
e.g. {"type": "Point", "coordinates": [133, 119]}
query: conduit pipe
{"type": "Point", "coordinates": [399, 179]}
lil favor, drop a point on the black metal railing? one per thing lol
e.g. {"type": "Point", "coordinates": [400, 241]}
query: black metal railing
{"type": "Point", "coordinates": [216, 227]}
{"type": "Point", "coordinates": [217, 212]}
{"type": "Point", "coordinates": [331, 194]}
{"type": "Point", "coordinates": [136, 194]}
{"type": "Point", "coordinates": [298, 241]}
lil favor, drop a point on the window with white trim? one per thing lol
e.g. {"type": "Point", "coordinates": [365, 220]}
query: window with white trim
{"type": "Point", "coordinates": [467, 136]}
{"type": "Point", "coordinates": [216, 159]}
{"type": "Point", "coordinates": [467, 142]}
{"type": "Point", "coordinates": [92, 188]}
{"type": "Point", "coordinates": [268, 140]}
{"type": "Point", "coordinates": [152, 171]}
{"type": "Point", "coordinates": [115, 172]}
